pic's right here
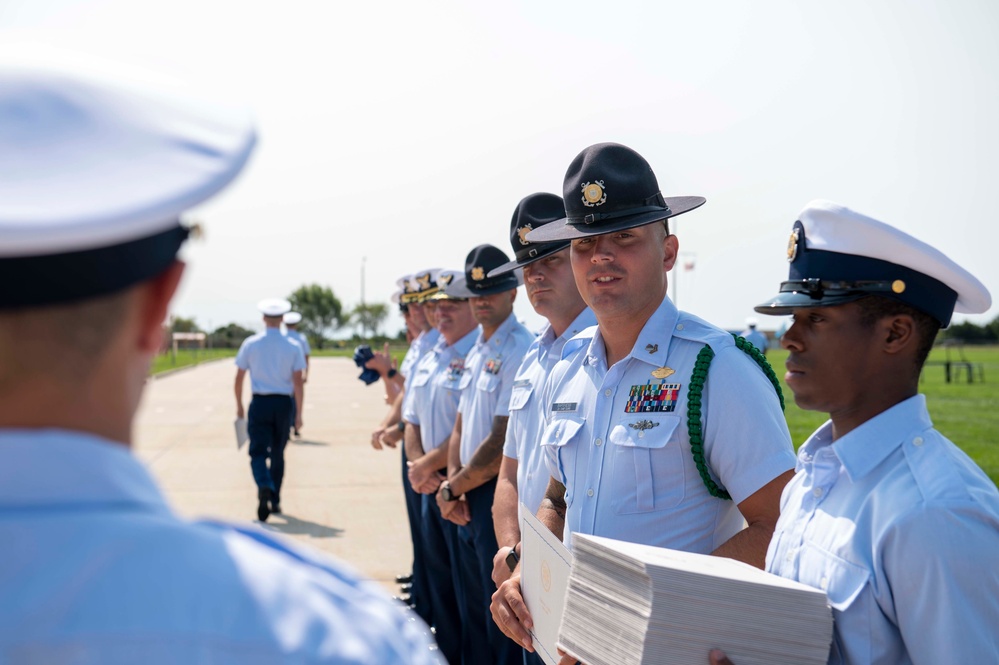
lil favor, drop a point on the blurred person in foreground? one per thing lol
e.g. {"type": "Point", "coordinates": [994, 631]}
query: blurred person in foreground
{"type": "Point", "coordinates": [894, 522]}
{"type": "Point", "coordinates": [97, 165]}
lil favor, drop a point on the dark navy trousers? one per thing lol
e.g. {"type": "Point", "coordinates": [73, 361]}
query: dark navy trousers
{"type": "Point", "coordinates": [268, 421]}
{"type": "Point", "coordinates": [440, 548]}
{"type": "Point", "coordinates": [414, 510]}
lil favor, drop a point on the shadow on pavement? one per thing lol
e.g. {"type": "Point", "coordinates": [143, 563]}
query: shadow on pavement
{"type": "Point", "coordinates": [290, 525]}
{"type": "Point", "coordinates": [306, 442]}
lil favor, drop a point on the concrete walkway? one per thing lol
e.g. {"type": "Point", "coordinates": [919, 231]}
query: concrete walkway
{"type": "Point", "coordinates": [339, 494]}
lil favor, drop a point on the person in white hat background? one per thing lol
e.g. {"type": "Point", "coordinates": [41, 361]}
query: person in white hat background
{"type": "Point", "coordinates": [97, 165]}
{"type": "Point", "coordinates": [276, 365]}
{"type": "Point", "coordinates": [291, 321]}
{"type": "Point", "coordinates": [551, 288]}
{"type": "Point", "coordinates": [660, 428]}
{"type": "Point", "coordinates": [894, 522]}
{"type": "Point", "coordinates": [754, 336]}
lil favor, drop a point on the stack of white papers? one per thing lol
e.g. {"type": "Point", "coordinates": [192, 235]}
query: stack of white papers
{"type": "Point", "coordinates": [628, 603]}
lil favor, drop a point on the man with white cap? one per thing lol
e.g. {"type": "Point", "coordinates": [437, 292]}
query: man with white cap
{"type": "Point", "coordinates": [96, 166]}
{"type": "Point", "coordinates": [754, 336]}
{"type": "Point", "coordinates": [276, 365]}
{"type": "Point", "coordinates": [291, 321]}
{"type": "Point", "coordinates": [896, 524]}
{"type": "Point", "coordinates": [644, 443]}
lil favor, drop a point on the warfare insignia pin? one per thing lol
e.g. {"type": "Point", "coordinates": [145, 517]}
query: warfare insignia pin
{"type": "Point", "coordinates": [522, 233]}
{"type": "Point", "coordinates": [643, 425]}
{"type": "Point", "coordinates": [652, 348]}
{"type": "Point", "coordinates": [663, 372]}
{"type": "Point", "coordinates": [423, 281]}
{"type": "Point", "coordinates": [593, 193]}
{"type": "Point", "coordinates": [478, 273]}
{"type": "Point", "coordinates": [792, 246]}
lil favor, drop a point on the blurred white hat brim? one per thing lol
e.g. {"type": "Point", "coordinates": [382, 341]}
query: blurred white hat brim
{"type": "Point", "coordinates": [274, 306]}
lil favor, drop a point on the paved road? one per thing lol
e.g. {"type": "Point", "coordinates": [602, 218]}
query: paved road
{"type": "Point", "coordinates": [339, 494]}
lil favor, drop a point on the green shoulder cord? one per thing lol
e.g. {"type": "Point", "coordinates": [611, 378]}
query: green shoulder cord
{"type": "Point", "coordinates": [694, 428]}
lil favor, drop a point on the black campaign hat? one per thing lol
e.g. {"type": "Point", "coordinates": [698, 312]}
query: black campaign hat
{"type": "Point", "coordinates": [532, 212]}
{"type": "Point", "coordinates": [476, 281]}
{"type": "Point", "coordinates": [610, 187]}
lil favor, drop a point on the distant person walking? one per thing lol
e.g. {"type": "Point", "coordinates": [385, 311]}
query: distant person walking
{"type": "Point", "coordinates": [291, 321]}
{"type": "Point", "coordinates": [276, 365]}
{"type": "Point", "coordinates": [754, 336]}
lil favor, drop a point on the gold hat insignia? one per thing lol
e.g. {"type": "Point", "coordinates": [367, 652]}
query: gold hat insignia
{"type": "Point", "coordinates": [478, 274]}
{"type": "Point", "coordinates": [593, 193]}
{"type": "Point", "coordinates": [898, 286]}
{"type": "Point", "coordinates": [792, 246]}
{"type": "Point", "coordinates": [445, 279]}
{"type": "Point", "coordinates": [423, 281]}
{"type": "Point", "coordinates": [663, 372]}
{"type": "Point", "coordinates": [522, 233]}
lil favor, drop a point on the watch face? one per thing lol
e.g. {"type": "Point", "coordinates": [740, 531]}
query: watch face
{"type": "Point", "coordinates": [512, 559]}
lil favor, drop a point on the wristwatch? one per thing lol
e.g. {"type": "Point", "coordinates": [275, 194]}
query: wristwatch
{"type": "Point", "coordinates": [512, 559]}
{"type": "Point", "coordinates": [446, 493]}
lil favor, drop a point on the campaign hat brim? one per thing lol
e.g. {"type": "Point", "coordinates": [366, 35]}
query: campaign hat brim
{"type": "Point", "coordinates": [546, 250]}
{"type": "Point", "coordinates": [459, 287]}
{"type": "Point", "coordinates": [564, 230]}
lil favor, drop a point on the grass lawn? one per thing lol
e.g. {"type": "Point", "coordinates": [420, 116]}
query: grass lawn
{"type": "Point", "coordinates": [185, 357]}
{"type": "Point", "coordinates": [966, 413]}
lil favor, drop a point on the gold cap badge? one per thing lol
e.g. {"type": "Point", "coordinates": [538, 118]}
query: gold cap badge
{"type": "Point", "coordinates": [792, 246]}
{"type": "Point", "coordinates": [478, 274]}
{"type": "Point", "coordinates": [898, 286]}
{"type": "Point", "coordinates": [593, 193]}
{"type": "Point", "coordinates": [522, 233]}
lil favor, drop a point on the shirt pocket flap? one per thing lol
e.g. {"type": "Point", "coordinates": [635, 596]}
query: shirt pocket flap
{"type": "Point", "coordinates": [520, 395]}
{"type": "Point", "coordinates": [421, 378]}
{"type": "Point", "coordinates": [560, 432]}
{"type": "Point", "coordinates": [644, 432]}
{"type": "Point", "coordinates": [487, 382]}
{"type": "Point", "coordinates": [842, 580]}
{"type": "Point", "coordinates": [466, 378]}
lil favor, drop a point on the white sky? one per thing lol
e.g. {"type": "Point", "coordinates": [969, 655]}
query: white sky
{"type": "Point", "coordinates": [406, 131]}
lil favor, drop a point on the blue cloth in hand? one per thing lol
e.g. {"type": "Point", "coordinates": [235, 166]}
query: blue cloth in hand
{"type": "Point", "coordinates": [363, 354]}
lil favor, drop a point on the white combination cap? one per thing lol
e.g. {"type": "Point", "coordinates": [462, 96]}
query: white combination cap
{"type": "Point", "coordinates": [97, 163]}
{"type": "Point", "coordinates": [274, 306]}
{"type": "Point", "coordinates": [838, 255]}
{"type": "Point", "coordinates": [292, 318]}
{"type": "Point", "coordinates": [423, 284]}
{"type": "Point", "coordinates": [449, 282]}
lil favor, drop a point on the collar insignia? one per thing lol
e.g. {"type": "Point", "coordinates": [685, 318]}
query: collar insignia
{"type": "Point", "coordinates": [593, 193]}
{"type": "Point", "coordinates": [652, 348]}
{"type": "Point", "coordinates": [478, 273]}
{"type": "Point", "coordinates": [522, 233]}
{"type": "Point", "coordinates": [663, 372]}
{"type": "Point", "coordinates": [643, 425]}
{"type": "Point", "coordinates": [792, 246]}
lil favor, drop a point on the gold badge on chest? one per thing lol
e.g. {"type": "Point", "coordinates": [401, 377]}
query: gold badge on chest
{"type": "Point", "coordinates": [663, 372]}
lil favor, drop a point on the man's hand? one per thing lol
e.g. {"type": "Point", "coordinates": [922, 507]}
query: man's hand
{"type": "Point", "coordinates": [376, 438]}
{"type": "Point", "coordinates": [454, 511]}
{"type": "Point", "coordinates": [298, 423]}
{"type": "Point", "coordinates": [381, 362]}
{"type": "Point", "coordinates": [240, 413]}
{"type": "Point", "coordinates": [391, 436]}
{"type": "Point", "coordinates": [501, 571]}
{"type": "Point", "coordinates": [510, 612]}
{"type": "Point", "coordinates": [718, 657]}
{"type": "Point", "coordinates": [423, 479]}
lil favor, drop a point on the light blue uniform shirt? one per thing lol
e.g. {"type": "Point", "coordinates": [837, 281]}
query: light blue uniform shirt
{"type": "Point", "coordinates": [756, 338]}
{"type": "Point", "coordinates": [436, 390]}
{"type": "Point", "coordinates": [417, 349]}
{"type": "Point", "coordinates": [98, 569]}
{"type": "Point", "coordinates": [617, 437]}
{"type": "Point", "coordinates": [901, 530]}
{"type": "Point", "coordinates": [523, 431]}
{"type": "Point", "coordinates": [302, 340]}
{"type": "Point", "coordinates": [485, 389]}
{"type": "Point", "coordinates": [271, 358]}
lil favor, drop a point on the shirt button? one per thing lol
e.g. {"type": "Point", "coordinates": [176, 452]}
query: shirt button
{"type": "Point", "coordinates": [918, 441]}
{"type": "Point", "coordinates": [679, 326]}
{"type": "Point", "coordinates": [641, 435]}
{"type": "Point", "coordinates": [817, 491]}
{"type": "Point", "coordinates": [607, 393]}
{"type": "Point", "coordinates": [599, 442]}
{"type": "Point", "coordinates": [589, 492]}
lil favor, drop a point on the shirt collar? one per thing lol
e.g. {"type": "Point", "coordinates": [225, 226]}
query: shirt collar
{"type": "Point", "coordinates": [500, 334]}
{"type": "Point", "coordinates": [51, 467]}
{"type": "Point", "coordinates": [861, 450]}
{"type": "Point", "coordinates": [652, 345]}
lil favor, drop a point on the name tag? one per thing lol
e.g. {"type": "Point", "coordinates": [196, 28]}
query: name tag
{"type": "Point", "coordinates": [562, 407]}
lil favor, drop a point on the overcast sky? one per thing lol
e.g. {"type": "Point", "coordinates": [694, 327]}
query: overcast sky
{"type": "Point", "coordinates": [397, 135]}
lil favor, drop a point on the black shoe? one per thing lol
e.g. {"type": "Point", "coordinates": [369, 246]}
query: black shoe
{"type": "Point", "coordinates": [275, 508]}
{"type": "Point", "coordinates": [263, 505]}
{"type": "Point", "coordinates": [298, 435]}
{"type": "Point", "coordinates": [404, 579]}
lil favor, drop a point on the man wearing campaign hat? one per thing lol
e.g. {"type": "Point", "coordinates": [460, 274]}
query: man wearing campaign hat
{"type": "Point", "coordinates": [291, 321]}
{"type": "Point", "coordinates": [429, 411]}
{"type": "Point", "coordinates": [97, 166]}
{"type": "Point", "coordinates": [896, 524]}
{"type": "Point", "coordinates": [644, 443]}
{"type": "Point", "coordinates": [476, 446]}
{"type": "Point", "coordinates": [523, 475]}
{"type": "Point", "coordinates": [276, 365]}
